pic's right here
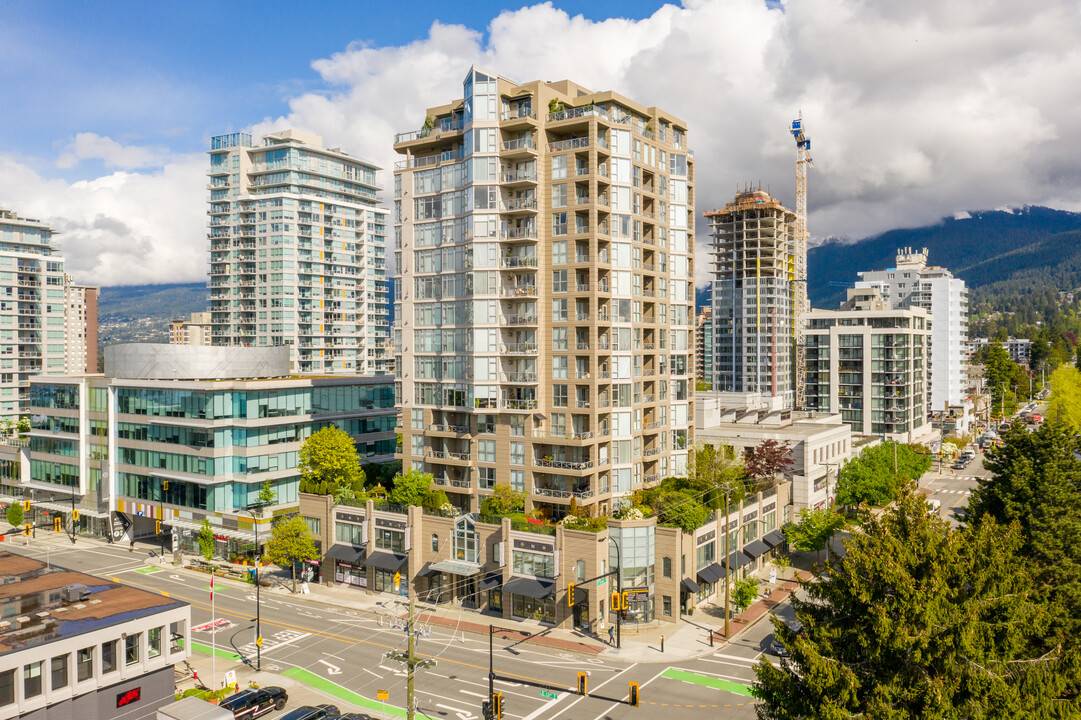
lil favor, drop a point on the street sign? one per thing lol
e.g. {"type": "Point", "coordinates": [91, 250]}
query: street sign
{"type": "Point", "coordinates": [549, 694]}
{"type": "Point", "coordinates": [382, 695]}
{"type": "Point", "coordinates": [259, 641]}
{"type": "Point", "coordinates": [602, 581]}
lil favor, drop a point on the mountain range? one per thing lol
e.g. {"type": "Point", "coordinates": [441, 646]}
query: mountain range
{"type": "Point", "coordinates": [1002, 255]}
{"type": "Point", "coordinates": [1005, 256]}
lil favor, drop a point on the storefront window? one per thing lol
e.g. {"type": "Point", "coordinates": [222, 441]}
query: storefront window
{"type": "Point", "coordinates": [384, 582]}
{"type": "Point", "coordinates": [543, 610]}
{"type": "Point", "coordinates": [495, 600]}
{"type": "Point", "coordinates": [351, 575]}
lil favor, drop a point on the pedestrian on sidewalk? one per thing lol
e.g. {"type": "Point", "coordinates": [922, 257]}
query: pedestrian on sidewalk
{"type": "Point", "coordinates": [131, 548]}
{"type": "Point", "coordinates": [611, 635]}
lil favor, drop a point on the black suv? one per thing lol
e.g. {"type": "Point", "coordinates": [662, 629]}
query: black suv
{"type": "Point", "coordinates": [309, 712]}
{"type": "Point", "coordinates": [255, 702]}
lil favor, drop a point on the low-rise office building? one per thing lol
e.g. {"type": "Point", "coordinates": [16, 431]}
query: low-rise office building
{"type": "Point", "coordinates": [819, 443]}
{"type": "Point", "coordinates": [517, 569]}
{"type": "Point", "coordinates": [78, 646]}
{"type": "Point", "coordinates": [173, 434]}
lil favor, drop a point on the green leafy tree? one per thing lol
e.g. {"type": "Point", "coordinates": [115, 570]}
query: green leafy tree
{"type": "Point", "coordinates": [267, 494]}
{"type": "Point", "coordinates": [504, 500]}
{"type": "Point", "coordinates": [876, 475]}
{"type": "Point", "coordinates": [916, 621]}
{"type": "Point", "coordinates": [411, 488]}
{"type": "Point", "coordinates": [205, 540]}
{"type": "Point", "coordinates": [1064, 403]}
{"type": "Point", "coordinates": [329, 456]}
{"type": "Point", "coordinates": [15, 514]}
{"type": "Point", "coordinates": [24, 425]}
{"type": "Point", "coordinates": [813, 529]}
{"type": "Point", "coordinates": [290, 543]}
{"type": "Point", "coordinates": [679, 508]}
{"type": "Point", "coordinates": [744, 593]}
{"type": "Point", "coordinates": [713, 472]}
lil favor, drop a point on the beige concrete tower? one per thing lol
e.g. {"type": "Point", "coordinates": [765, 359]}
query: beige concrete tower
{"type": "Point", "coordinates": [544, 240]}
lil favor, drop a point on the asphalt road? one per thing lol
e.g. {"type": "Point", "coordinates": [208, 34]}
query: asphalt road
{"type": "Point", "coordinates": [319, 644]}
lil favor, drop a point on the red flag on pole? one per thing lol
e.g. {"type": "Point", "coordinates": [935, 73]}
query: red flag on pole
{"type": "Point", "coordinates": [211, 587]}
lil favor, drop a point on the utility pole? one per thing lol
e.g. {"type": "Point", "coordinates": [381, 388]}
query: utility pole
{"type": "Point", "coordinates": [72, 514]}
{"type": "Point", "coordinates": [409, 657]}
{"type": "Point", "coordinates": [727, 554]}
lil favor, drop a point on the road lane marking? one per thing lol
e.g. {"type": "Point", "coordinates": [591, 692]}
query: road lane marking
{"type": "Point", "coordinates": [615, 705]}
{"type": "Point", "coordinates": [342, 693]}
{"type": "Point", "coordinates": [372, 673]}
{"type": "Point", "coordinates": [482, 696]}
{"type": "Point", "coordinates": [598, 687]}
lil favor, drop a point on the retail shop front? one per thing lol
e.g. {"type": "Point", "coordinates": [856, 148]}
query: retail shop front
{"type": "Point", "coordinates": [532, 598]}
{"type": "Point", "coordinates": [386, 566]}
{"type": "Point", "coordinates": [349, 566]}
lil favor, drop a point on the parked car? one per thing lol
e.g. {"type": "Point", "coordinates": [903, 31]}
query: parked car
{"type": "Point", "coordinates": [779, 649]}
{"type": "Point", "coordinates": [313, 712]}
{"type": "Point", "coordinates": [958, 465]}
{"type": "Point", "coordinates": [255, 702]}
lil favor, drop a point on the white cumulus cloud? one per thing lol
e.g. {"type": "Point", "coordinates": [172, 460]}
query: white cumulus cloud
{"type": "Point", "coordinates": [916, 110]}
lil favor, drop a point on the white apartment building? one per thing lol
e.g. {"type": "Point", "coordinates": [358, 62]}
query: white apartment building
{"type": "Point", "coordinates": [80, 327]}
{"type": "Point", "coordinates": [298, 252]}
{"type": "Point", "coordinates": [196, 330]}
{"type": "Point", "coordinates": [544, 234]}
{"type": "Point", "coordinates": [1020, 349]}
{"type": "Point", "coordinates": [32, 308]}
{"type": "Point", "coordinates": [868, 362]}
{"type": "Point", "coordinates": [912, 283]}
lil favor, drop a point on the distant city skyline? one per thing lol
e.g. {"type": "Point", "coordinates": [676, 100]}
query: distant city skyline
{"type": "Point", "coordinates": [915, 112]}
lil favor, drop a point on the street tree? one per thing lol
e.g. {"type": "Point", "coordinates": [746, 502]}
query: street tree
{"type": "Point", "coordinates": [768, 460]}
{"type": "Point", "coordinates": [716, 472]}
{"type": "Point", "coordinates": [813, 529]}
{"type": "Point", "coordinates": [504, 500]}
{"type": "Point", "coordinates": [411, 488]}
{"type": "Point", "coordinates": [1064, 403]}
{"type": "Point", "coordinates": [744, 593]}
{"type": "Point", "coordinates": [876, 475]}
{"type": "Point", "coordinates": [919, 620]}
{"type": "Point", "coordinates": [291, 543]}
{"type": "Point", "coordinates": [328, 460]}
{"type": "Point", "coordinates": [205, 540]}
{"type": "Point", "coordinates": [267, 494]}
{"type": "Point", "coordinates": [15, 514]}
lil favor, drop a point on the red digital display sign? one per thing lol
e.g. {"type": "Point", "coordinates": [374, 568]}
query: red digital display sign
{"type": "Point", "coordinates": [128, 697]}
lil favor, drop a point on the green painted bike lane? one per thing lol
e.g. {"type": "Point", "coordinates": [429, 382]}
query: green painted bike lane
{"type": "Point", "coordinates": [318, 683]}
{"type": "Point", "coordinates": [708, 681]}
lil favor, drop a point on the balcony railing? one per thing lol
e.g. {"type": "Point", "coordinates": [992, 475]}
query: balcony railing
{"type": "Point", "coordinates": [520, 404]}
{"type": "Point", "coordinates": [563, 464]}
{"type": "Point", "coordinates": [554, 493]}
{"type": "Point", "coordinates": [519, 144]}
{"type": "Point", "coordinates": [571, 144]}
{"type": "Point", "coordinates": [520, 348]}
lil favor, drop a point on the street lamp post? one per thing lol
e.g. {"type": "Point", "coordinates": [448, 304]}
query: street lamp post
{"type": "Point", "coordinates": [72, 514]}
{"type": "Point", "coordinates": [258, 614]}
{"type": "Point", "coordinates": [619, 589]}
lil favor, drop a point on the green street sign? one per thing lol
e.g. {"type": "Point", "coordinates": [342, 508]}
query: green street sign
{"type": "Point", "coordinates": [549, 694]}
{"type": "Point", "coordinates": [602, 581]}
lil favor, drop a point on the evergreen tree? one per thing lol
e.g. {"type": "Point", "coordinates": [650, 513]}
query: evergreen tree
{"type": "Point", "coordinates": [916, 621]}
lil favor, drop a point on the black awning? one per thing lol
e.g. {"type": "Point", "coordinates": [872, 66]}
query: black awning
{"type": "Point", "coordinates": [427, 571]}
{"type": "Point", "coordinates": [385, 560]}
{"type": "Point", "coordinates": [773, 539]}
{"type": "Point", "coordinates": [530, 587]}
{"type": "Point", "coordinates": [491, 581]}
{"type": "Point", "coordinates": [736, 560]}
{"type": "Point", "coordinates": [690, 585]}
{"type": "Point", "coordinates": [756, 549]}
{"type": "Point", "coordinates": [353, 554]}
{"type": "Point", "coordinates": [710, 574]}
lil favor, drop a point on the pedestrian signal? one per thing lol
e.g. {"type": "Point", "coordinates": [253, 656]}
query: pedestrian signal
{"type": "Point", "coordinates": [633, 692]}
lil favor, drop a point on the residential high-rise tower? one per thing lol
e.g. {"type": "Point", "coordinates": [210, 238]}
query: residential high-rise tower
{"type": "Point", "coordinates": [754, 292]}
{"type": "Point", "coordinates": [297, 252]}
{"type": "Point", "coordinates": [544, 238]}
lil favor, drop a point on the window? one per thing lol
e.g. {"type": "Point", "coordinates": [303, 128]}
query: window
{"type": "Point", "coordinates": [59, 672]}
{"type": "Point", "coordinates": [32, 680]}
{"type": "Point", "coordinates": [7, 687]}
{"type": "Point", "coordinates": [559, 252]}
{"type": "Point", "coordinates": [559, 281]}
{"type": "Point", "coordinates": [559, 195]}
{"type": "Point", "coordinates": [487, 477]}
{"type": "Point", "coordinates": [559, 224]}
{"type": "Point", "coordinates": [418, 418]}
{"type": "Point", "coordinates": [666, 567]}
{"type": "Point", "coordinates": [517, 453]}
{"type": "Point", "coordinates": [706, 554]}
{"type": "Point", "coordinates": [559, 396]}
{"type": "Point", "coordinates": [348, 533]}
{"type": "Point", "coordinates": [559, 310]}
{"type": "Point", "coordinates": [108, 657]}
{"type": "Point", "coordinates": [390, 540]}
{"type": "Point", "coordinates": [131, 648]}
{"type": "Point", "coordinates": [559, 167]}
{"type": "Point", "coordinates": [435, 542]}
{"type": "Point", "coordinates": [495, 600]}
{"type": "Point", "coordinates": [517, 480]}
{"type": "Point", "coordinates": [559, 367]}
{"type": "Point", "coordinates": [84, 661]}
{"type": "Point", "coordinates": [486, 451]}
{"type": "Point", "coordinates": [527, 563]}
{"type": "Point", "coordinates": [580, 571]}
{"type": "Point", "coordinates": [314, 525]}
{"type": "Point", "coordinates": [666, 605]}
{"type": "Point", "coordinates": [153, 642]}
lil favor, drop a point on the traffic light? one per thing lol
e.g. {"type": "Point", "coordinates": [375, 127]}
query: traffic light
{"type": "Point", "coordinates": [633, 691]}
{"type": "Point", "coordinates": [157, 527]}
{"type": "Point", "coordinates": [26, 505]}
{"type": "Point", "coordinates": [570, 595]}
{"type": "Point", "coordinates": [614, 603]}
{"type": "Point", "coordinates": [26, 529]}
{"type": "Point", "coordinates": [165, 485]}
{"type": "Point", "coordinates": [75, 515]}
{"type": "Point", "coordinates": [56, 524]}
{"type": "Point", "coordinates": [497, 706]}
{"type": "Point", "coordinates": [624, 606]}
{"type": "Point", "coordinates": [486, 710]}
{"type": "Point", "coordinates": [583, 681]}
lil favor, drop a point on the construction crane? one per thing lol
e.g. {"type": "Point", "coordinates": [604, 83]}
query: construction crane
{"type": "Point", "coordinates": [800, 303]}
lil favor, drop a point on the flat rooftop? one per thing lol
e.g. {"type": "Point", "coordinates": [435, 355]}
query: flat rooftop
{"type": "Point", "coordinates": [30, 600]}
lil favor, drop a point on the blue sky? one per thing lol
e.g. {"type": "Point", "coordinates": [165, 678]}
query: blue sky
{"type": "Point", "coordinates": [917, 110]}
{"type": "Point", "coordinates": [172, 73]}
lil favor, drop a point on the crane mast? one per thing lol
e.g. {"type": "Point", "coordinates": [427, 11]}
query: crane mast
{"type": "Point", "coordinates": [800, 302]}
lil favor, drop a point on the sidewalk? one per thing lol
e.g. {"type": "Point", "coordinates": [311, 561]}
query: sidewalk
{"type": "Point", "coordinates": [687, 638]}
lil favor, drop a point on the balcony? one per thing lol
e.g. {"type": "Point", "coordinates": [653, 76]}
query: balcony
{"type": "Point", "coordinates": [513, 404]}
{"type": "Point", "coordinates": [570, 144]}
{"type": "Point", "coordinates": [518, 262]}
{"type": "Point", "coordinates": [442, 427]}
{"type": "Point", "coordinates": [519, 233]}
{"type": "Point", "coordinates": [520, 348]}
{"type": "Point", "coordinates": [563, 464]}
{"type": "Point", "coordinates": [520, 377]}
{"type": "Point", "coordinates": [528, 291]}
{"type": "Point", "coordinates": [520, 147]}
{"type": "Point", "coordinates": [519, 177]}
{"type": "Point", "coordinates": [562, 494]}
{"type": "Point", "coordinates": [523, 205]}
{"type": "Point", "coordinates": [518, 320]}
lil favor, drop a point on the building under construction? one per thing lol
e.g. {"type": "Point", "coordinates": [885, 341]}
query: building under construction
{"type": "Point", "coordinates": [754, 295]}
